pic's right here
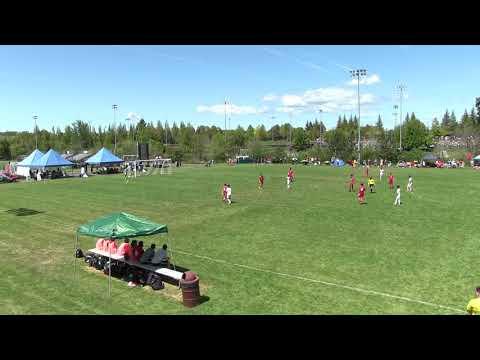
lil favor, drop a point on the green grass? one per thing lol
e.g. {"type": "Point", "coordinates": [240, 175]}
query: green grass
{"type": "Point", "coordinates": [424, 250]}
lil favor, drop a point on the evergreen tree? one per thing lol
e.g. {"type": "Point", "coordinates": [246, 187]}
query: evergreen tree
{"type": "Point", "coordinates": [452, 124]}
{"type": "Point", "coordinates": [436, 130]}
{"type": "Point", "coordinates": [446, 120]}
{"type": "Point", "coordinates": [473, 117]}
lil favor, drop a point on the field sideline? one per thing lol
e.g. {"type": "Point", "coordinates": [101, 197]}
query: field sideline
{"type": "Point", "coordinates": [313, 250]}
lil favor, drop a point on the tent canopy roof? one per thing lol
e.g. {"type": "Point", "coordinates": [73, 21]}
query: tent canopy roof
{"type": "Point", "coordinates": [121, 225]}
{"type": "Point", "coordinates": [104, 156]}
{"type": "Point", "coordinates": [30, 159]}
{"type": "Point", "coordinates": [429, 157]}
{"type": "Point", "coordinates": [51, 159]}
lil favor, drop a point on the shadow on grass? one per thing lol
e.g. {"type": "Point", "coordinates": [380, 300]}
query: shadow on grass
{"type": "Point", "coordinates": [203, 299]}
{"type": "Point", "coordinates": [24, 212]}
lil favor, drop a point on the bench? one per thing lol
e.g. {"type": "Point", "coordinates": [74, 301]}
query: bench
{"type": "Point", "coordinates": [166, 273]}
{"type": "Point", "coordinates": [107, 254]}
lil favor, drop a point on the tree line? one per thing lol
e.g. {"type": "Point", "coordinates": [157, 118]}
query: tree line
{"type": "Point", "coordinates": [187, 143]}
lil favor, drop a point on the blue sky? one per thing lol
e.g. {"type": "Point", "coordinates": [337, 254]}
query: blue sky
{"type": "Point", "coordinates": [62, 84]}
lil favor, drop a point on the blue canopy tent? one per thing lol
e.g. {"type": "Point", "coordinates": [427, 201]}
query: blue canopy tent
{"type": "Point", "coordinates": [104, 157]}
{"type": "Point", "coordinates": [476, 160]}
{"type": "Point", "coordinates": [338, 162]}
{"type": "Point", "coordinates": [23, 167]}
{"type": "Point", "coordinates": [51, 159]}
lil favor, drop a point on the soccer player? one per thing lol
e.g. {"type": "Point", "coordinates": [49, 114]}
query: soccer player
{"type": "Point", "coordinates": [229, 194]}
{"type": "Point", "coordinates": [224, 193]}
{"type": "Point", "coordinates": [361, 194]}
{"type": "Point", "coordinates": [289, 180]}
{"type": "Point", "coordinates": [371, 184]}
{"type": "Point", "coordinates": [290, 174]}
{"type": "Point", "coordinates": [473, 307]}
{"type": "Point", "coordinates": [390, 181]}
{"type": "Point", "coordinates": [351, 183]}
{"type": "Point", "coordinates": [410, 184]}
{"type": "Point", "coordinates": [397, 198]}
{"type": "Point", "coordinates": [261, 179]}
{"type": "Point", "coordinates": [382, 172]}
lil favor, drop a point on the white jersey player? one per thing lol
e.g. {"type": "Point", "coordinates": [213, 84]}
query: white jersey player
{"type": "Point", "coordinates": [410, 184]}
{"type": "Point", "coordinates": [397, 198]}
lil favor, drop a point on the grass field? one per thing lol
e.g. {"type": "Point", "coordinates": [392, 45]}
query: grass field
{"type": "Point", "coordinates": [313, 250]}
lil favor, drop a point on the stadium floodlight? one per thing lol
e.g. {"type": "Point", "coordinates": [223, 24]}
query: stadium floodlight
{"type": "Point", "coordinates": [273, 118]}
{"type": "Point", "coordinates": [35, 117]}
{"type": "Point", "coordinates": [115, 107]}
{"type": "Point", "coordinates": [401, 88]}
{"type": "Point", "coordinates": [357, 74]}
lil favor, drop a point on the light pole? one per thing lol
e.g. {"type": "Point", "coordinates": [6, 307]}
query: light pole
{"type": "Point", "coordinates": [290, 114]}
{"type": "Point", "coordinates": [129, 120]}
{"type": "Point", "coordinates": [115, 107]}
{"type": "Point", "coordinates": [225, 127]}
{"type": "Point", "coordinates": [35, 117]}
{"type": "Point", "coordinates": [272, 117]}
{"type": "Point", "coordinates": [401, 88]}
{"type": "Point", "coordinates": [357, 74]}
{"type": "Point", "coordinates": [320, 112]}
{"type": "Point", "coordinates": [395, 114]}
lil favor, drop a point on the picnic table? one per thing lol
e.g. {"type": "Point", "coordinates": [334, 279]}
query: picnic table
{"type": "Point", "coordinates": [167, 275]}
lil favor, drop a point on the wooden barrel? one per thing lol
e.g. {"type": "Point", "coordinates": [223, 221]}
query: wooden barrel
{"type": "Point", "coordinates": [190, 292]}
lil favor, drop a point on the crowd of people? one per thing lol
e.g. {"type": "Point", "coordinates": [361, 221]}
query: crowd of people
{"type": "Point", "coordinates": [45, 174]}
{"type": "Point", "coordinates": [456, 142]}
{"type": "Point", "coordinates": [135, 253]}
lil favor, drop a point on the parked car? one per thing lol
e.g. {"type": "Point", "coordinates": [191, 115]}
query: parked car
{"type": "Point", "coordinates": [6, 178]}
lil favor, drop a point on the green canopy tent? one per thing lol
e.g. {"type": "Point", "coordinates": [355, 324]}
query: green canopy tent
{"type": "Point", "coordinates": [118, 226]}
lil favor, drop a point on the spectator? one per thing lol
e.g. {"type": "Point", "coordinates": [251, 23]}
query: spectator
{"type": "Point", "coordinates": [147, 256]}
{"type": "Point", "coordinates": [125, 249]}
{"type": "Point", "coordinates": [473, 307]}
{"type": "Point", "coordinates": [133, 249]}
{"type": "Point", "coordinates": [111, 246]}
{"type": "Point", "coordinates": [100, 244]}
{"type": "Point", "coordinates": [138, 251]}
{"type": "Point", "coordinates": [161, 257]}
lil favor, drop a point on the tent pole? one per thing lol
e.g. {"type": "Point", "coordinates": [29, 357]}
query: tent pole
{"type": "Point", "coordinates": [171, 256]}
{"type": "Point", "coordinates": [109, 271]}
{"type": "Point", "coordinates": [75, 257]}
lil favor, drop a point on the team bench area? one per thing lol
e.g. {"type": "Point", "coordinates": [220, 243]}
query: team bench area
{"type": "Point", "coordinates": [120, 266]}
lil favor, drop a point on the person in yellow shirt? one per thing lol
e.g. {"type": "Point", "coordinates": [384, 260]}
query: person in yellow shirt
{"type": "Point", "coordinates": [473, 307]}
{"type": "Point", "coordinates": [371, 184]}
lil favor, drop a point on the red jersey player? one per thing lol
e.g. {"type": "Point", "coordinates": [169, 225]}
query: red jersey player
{"type": "Point", "coordinates": [224, 192]}
{"type": "Point", "coordinates": [261, 179]}
{"type": "Point", "coordinates": [390, 181]}
{"type": "Point", "coordinates": [351, 183]}
{"type": "Point", "coordinates": [290, 174]}
{"type": "Point", "coordinates": [361, 194]}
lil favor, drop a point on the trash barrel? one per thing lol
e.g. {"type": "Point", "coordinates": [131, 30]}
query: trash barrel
{"type": "Point", "coordinates": [190, 285]}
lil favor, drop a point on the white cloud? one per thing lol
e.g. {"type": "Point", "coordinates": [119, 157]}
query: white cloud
{"type": "Point", "coordinates": [270, 97]}
{"type": "Point", "coordinates": [286, 109]}
{"type": "Point", "coordinates": [293, 101]}
{"type": "Point", "coordinates": [368, 80]}
{"type": "Point", "coordinates": [231, 109]}
{"type": "Point", "coordinates": [132, 116]}
{"type": "Point", "coordinates": [331, 99]}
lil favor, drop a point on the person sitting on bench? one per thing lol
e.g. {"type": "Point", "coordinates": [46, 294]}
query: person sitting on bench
{"type": "Point", "coordinates": [133, 249]}
{"type": "Point", "coordinates": [161, 257]}
{"type": "Point", "coordinates": [147, 256]}
{"type": "Point", "coordinates": [100, 244]}
{"type": "Point", "coordinates": [125, 249]}
{"type": "Point", "coordinates": [110, 246]}
{"type": "Point", "coordinates": [138, 251]}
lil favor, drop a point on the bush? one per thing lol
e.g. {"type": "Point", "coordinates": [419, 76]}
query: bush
{"type": "Point", "coordinates": [415, 154]}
